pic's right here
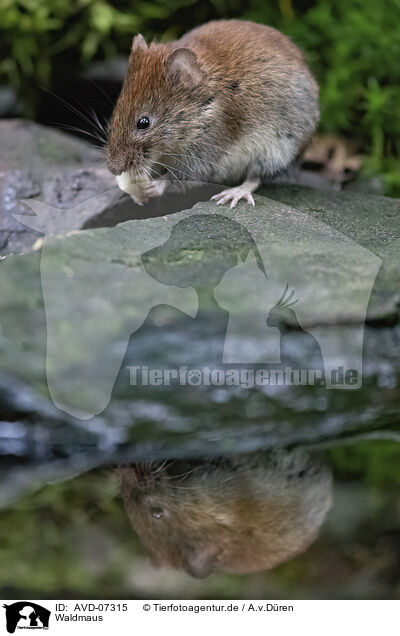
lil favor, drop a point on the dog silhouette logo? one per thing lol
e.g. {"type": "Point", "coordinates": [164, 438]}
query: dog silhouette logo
{"type": "Point", "coordinates": [26, 615]}
{"type": "Point", "coordinates": [99, 288]}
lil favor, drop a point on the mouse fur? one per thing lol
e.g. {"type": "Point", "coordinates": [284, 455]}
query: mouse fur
{"type": "Point", "coordinates": [231, 102]}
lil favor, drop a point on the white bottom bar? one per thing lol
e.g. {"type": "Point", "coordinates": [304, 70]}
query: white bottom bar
{"type": "Point", "coordinates": [306, 618]}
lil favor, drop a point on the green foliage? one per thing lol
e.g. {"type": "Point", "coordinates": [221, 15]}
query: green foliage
{"type": "Point", "coordinates": [377, 463]}
{"type": "Point", "coordinates": [66, 536]}
{"type": "Point", "coordinates": [352, 45]}
{"type": "Point", "coordinates": [353, 48]}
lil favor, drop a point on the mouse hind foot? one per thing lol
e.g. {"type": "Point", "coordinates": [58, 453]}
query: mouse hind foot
{"type": "Point", "coordinates": [236, 194]}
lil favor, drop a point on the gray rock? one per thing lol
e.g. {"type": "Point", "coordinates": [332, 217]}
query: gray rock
{"type": "Point", "coordinates": [372, 221]}
{"type": "Point", "coordinates": [39, 162]}
{"type": "Point", "coordinates": [78, 298]}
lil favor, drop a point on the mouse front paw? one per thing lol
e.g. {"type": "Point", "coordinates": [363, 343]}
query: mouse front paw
{"type": "Point", "coordinates": [152, 189]}
{"type": "Point", "coordinates": [234, 195]}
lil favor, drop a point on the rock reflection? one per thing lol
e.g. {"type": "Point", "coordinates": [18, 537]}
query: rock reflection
{"type": "Point", "coordinates": [240, 514]}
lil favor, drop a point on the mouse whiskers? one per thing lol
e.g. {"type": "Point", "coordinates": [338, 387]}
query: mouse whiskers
{"type": "Point", "coordinates": [183, 164]}
{"type": "Point", "coordinates": [99, 131]}
{"type": "Point", "coordinates": [189, 156]}
{"type": "Point", "coordinates": [164, 165]}
{"type": "Point", "coordinates": [212, 146]}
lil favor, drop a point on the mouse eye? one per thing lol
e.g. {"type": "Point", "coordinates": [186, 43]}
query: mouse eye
{"type": "Point", "coordinates": [142, 123]}
{"type": "Point", "coordinates": [156, 512]}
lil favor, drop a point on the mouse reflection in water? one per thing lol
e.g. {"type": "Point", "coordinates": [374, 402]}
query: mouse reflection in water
{"type": "Point", "coordinates": [237, 515]}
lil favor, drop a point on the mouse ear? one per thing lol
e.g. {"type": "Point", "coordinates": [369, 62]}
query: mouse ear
{"type": "Point", "coordinates": [183, 62]}
{"type": "Point", "coordinates": [138, 43]}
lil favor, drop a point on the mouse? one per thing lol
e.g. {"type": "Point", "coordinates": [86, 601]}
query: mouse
{"type": "Point", "coordinates": [239, 514]}
{"type": "Point", "coordinates": [231, 102]}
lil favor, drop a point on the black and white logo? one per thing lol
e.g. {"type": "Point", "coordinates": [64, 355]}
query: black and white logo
{"type": "Point", "coordinates": [26, 615]}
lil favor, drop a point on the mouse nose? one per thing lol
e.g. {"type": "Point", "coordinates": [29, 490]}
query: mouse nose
{"type": "Point", "coordinates": [118, 161]}
{"type": "Point", "coordinates": [113, 164]}
{"type": "Point", "coordinates": [116, 166]}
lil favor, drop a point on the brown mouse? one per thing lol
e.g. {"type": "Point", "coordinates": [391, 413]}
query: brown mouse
{"type": "Point", "coordinates": [241, 514]}
{"type": "Point", "coordinates": [231, 102]}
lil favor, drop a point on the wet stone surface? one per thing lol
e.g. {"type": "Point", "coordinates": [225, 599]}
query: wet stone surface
{"type": "Point", "coordinates": [39, 162]}
{"type": "Point", "coordinates": [202, 288]}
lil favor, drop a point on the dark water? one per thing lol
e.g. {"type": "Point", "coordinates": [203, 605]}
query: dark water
{"type": "Point", "coordinates": [234, 491]}
{"type": "Point", "coordinates": [73, 539]}
{"type": "Point", "coordinates": [65, 531]}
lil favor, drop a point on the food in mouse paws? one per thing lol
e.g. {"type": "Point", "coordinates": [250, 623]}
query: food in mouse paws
{"type": "Point", "coordinates": [140, 191]}
{"type": "Point", "coordinates": [231, 103]}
